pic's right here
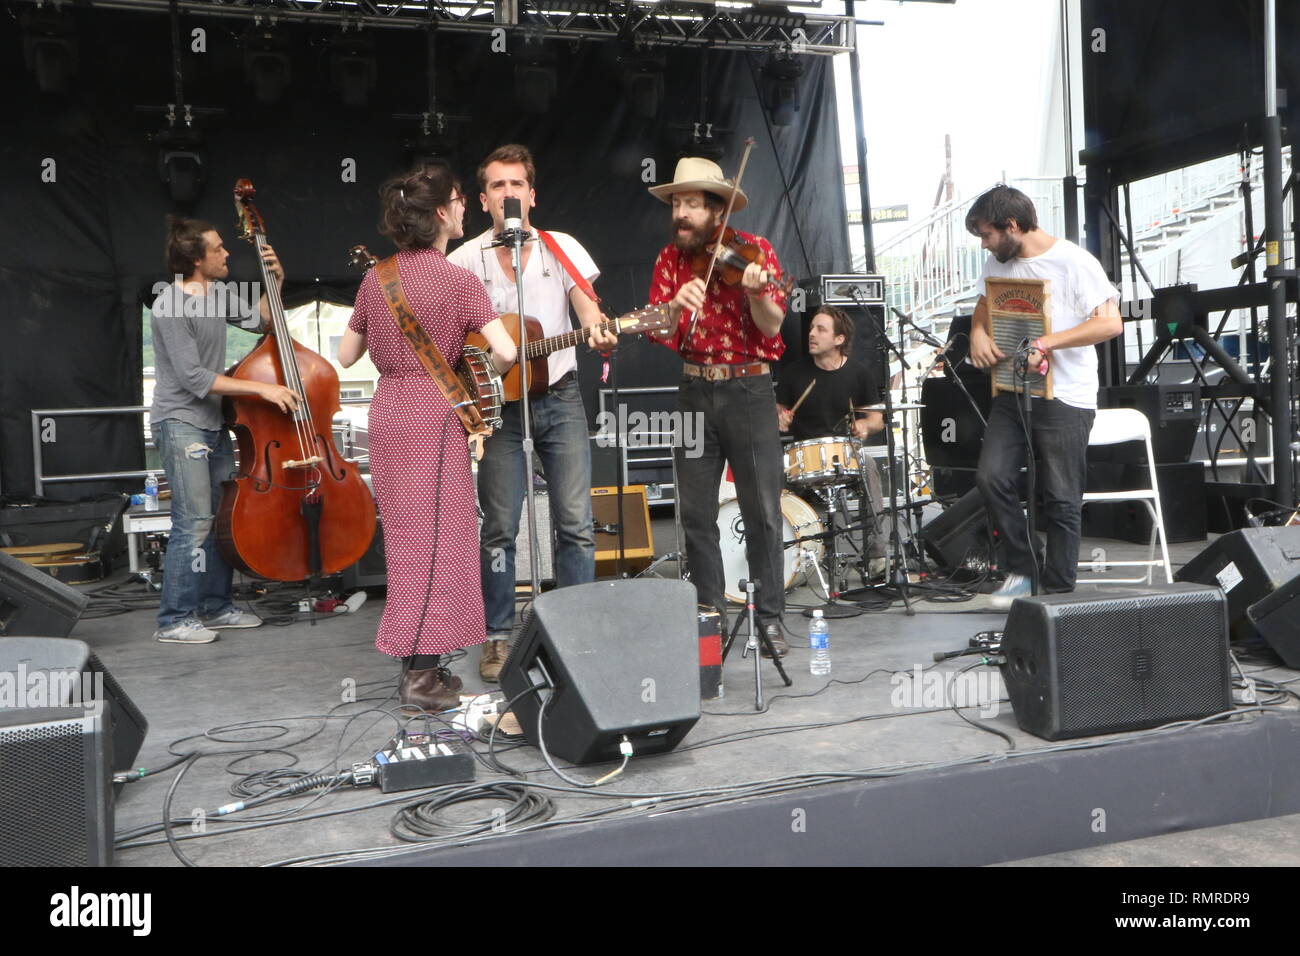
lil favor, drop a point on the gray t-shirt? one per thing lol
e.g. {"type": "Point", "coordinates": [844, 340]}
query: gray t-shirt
{"type": "Point", "coordinates": [189, 343]}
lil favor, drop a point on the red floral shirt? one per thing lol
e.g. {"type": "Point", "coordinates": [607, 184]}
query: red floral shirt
{"type": "Point", "coordinates": [725, 333]}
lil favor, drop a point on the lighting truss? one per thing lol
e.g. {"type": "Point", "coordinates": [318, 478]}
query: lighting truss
{"type": "Point", "coordinates": [750, 26]}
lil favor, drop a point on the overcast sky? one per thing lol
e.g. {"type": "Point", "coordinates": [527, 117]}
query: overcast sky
{"type": "Point", "coordinates": [977, 69]}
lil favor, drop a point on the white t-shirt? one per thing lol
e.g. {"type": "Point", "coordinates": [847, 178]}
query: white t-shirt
{"type": "Point", "coordinates": [1078, 287]}
{"type": "Point", "coordinates": [546, 286]}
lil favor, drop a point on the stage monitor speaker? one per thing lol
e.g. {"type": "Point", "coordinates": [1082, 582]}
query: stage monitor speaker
{"type": "Point", "coordinates": [1249, 565]}
{"type": "Point", "coordinates": [612, 659]}
{"type": "Point", "coordinates": [371, 569]}
{"type": "Point", "coordinates": [33, 603]}
{"type": "Point", "coordinates": [1277, 618]}
{"type": "Point", "coordinates": [72, 676]}
{"type": "Point", "coordinates": [56, 796]}
{"type": "Point", "coordinates": [959, 537]}
{"type": "Point", "coordinates": [1111, 661]}
{"type": "Point", "coordinates": [638, 543]}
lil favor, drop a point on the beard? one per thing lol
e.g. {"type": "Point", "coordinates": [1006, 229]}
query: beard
{"type": "Point", "coordinates": [694, 241]}
{"type": "Point", "coordinates": [1008, 249]}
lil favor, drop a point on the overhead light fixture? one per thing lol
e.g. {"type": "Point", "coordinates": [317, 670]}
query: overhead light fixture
{"type": "Point", "coordinates": [50, 51]}
{"type": "Point", "coordinates": [536, 80]}
{"type": "Point", "coordinates": [266, 65]}
{"type": "Point", "coordinates": [643, 81]}
{"type": "Point", "coordinates": [181, 164]}
{"type": "Point", "coordinates": [780, 79]}
{"type": "Point", "coordinates": [352, 69]}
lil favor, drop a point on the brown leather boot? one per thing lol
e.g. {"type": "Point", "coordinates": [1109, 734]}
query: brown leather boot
{"type": "Point", "coordinates": [491, 660]}
{"type": "Point", "coordinates": [433, 689]}
{"type": "Point", "coordinates": [774, 635]}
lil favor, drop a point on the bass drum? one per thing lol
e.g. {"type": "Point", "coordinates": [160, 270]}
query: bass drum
{"type": "Point", "coordinates": [798, 520]}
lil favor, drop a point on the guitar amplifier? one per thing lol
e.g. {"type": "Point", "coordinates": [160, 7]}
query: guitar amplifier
{"type": "Point", "coordinates": [638, 542]}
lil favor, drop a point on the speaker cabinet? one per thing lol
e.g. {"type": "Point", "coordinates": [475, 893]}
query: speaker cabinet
{"type": "Point", "coordinates": [57, 672]}
{"type": "Point", "coordinates": [961, 535]}
{"type": "Point", "coordinates": [638, 544]}
{"type": "Point", "coordinates": [56, 798]}
{"type": "Point", "coordinates": [33, 603]}
{"type": "Point", "coordinates": [1277, 619]}
{"type": "Point", "coordinates": [611, 659]}
{"type": "Point", "coordinates": [1106, 662]}
{"type": "Point", "coordinates": [1249, 564]}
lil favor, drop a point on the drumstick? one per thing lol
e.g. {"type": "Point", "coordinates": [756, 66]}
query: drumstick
{"type": "Point", "coordinates": [795, 408]}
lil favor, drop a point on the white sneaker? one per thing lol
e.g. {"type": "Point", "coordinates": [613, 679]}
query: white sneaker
{"type": "Point", "coordinates": [1015, 586]}
{"type": "Point", "coordinates": [188, 631]}
{"type": "Point", "coordinates": [235, 617]}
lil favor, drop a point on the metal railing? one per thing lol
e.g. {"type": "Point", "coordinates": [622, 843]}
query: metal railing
{"type": "Point", "coordinates": [345, 439]}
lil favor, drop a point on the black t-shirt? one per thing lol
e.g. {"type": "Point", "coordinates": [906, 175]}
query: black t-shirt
{"type": "Point", "coordinates": [822, 412]}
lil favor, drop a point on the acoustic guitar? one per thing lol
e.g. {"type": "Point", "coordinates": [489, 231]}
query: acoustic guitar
{"type": "Point", "coordinates": [652, 318]}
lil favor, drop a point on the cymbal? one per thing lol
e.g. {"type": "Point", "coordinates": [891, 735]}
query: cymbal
{"type": "Point", "coordinates": [898, 407]}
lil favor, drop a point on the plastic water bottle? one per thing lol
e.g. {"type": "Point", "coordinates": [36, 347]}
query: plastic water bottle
{"type": "Point", "coordinates": [151, 493]}
{"type": "Point", "coordinates": [819, 639]}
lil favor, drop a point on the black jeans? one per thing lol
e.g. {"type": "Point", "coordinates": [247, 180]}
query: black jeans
{"type": "Point", "coordinates": [734, 422]}
{"type": "Point", "coordinates": [1061, 449]}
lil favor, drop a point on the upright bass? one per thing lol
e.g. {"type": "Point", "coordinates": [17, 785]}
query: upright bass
{"type": "Point", "coordinates": [296, 509]}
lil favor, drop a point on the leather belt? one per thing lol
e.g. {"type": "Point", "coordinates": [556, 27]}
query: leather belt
{"type": "Point", "coordinates": [562, 381]}
{"type": "Point", "coordinates": [721, 373]}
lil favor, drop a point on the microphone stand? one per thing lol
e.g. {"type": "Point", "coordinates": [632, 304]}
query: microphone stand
{"type": "Point", "coordinates": [898, 580]}
{"type": "Point", "coordinates": [514, 238]}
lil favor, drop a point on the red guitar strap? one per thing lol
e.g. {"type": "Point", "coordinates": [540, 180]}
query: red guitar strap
{"type": "Point", "coordinates": [578, 279]}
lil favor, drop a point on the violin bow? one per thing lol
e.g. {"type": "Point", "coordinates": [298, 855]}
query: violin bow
{"type": "Point", "coordinates": [726, 217]}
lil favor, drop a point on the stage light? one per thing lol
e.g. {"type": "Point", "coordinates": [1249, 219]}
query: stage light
{"type": "Point", "coordinates": [352, 69]}
{"type": "Point", "coordinates": [50, 50]}
{"type": "Point", "coordinates": [643, 81]}
{"type": "Point", "coordinates": [181, 165]}
{"type": "Point", "coordinates": [535, 81]}
{"type": "Point", "coordinates": [266, 65]}
{"type": "Point", "coordinates": [781, 88]}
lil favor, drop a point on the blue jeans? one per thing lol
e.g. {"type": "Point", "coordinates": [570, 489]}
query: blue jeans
{"type": "Point", "coordinates": [196, 579]}
{"type": "Point", "coordinates": [1060, 434]}
{"type": "Point", "coordinates": [560, 442]}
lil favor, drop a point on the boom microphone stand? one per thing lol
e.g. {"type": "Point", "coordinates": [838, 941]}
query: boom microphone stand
{"type": "Point", "coordinates": [898, 580]}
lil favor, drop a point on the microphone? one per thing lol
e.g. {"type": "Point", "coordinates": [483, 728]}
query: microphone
{"type": "Point", "coordinates": [512, 214]}
{"type": "Point", "coordinates": [513, 232]}
{"type": "Point", "coordinates": [929, 339]}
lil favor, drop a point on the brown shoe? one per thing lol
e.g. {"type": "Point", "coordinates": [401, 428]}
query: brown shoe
{"type": "Point", "coordinates": [433, 689]}
{"type": "Point", "coordinates": [491, 660]}
{"type": "Point", "coordinates": [777, 639]}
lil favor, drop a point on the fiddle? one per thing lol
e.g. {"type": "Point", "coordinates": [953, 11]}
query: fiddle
{"type": "Point", "coordinates": [734, 255]}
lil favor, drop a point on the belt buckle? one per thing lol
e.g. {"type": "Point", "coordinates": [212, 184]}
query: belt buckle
{"type": "Point", "coordinates": [716, 373]}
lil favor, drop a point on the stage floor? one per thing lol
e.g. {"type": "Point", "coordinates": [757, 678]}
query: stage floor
{"type": "Point", "coordinates": [279, 696]}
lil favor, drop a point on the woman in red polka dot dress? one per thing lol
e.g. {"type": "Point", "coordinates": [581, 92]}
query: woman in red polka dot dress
{"type": "Point", "coordinates": [419, 461]}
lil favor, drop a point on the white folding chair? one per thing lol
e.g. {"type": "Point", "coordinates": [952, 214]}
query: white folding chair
{"type": "Point", "coordinates": [1110, 427]}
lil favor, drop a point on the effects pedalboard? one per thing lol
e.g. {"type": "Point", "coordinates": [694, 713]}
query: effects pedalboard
{"type": "Point", "coordinates": [419, 757]}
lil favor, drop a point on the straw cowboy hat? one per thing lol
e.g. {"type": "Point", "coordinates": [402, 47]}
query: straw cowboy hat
{"type": "Point", "coordinates": [695, 173]}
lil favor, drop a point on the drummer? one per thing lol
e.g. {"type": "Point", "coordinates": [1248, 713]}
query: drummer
{"type": "Point", "coordinates": [815, 394]}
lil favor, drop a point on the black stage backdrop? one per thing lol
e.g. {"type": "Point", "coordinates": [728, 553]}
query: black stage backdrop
{"type": "Point", "coordinates": [82, 251]}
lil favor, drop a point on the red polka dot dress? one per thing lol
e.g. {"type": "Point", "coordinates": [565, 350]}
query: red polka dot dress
{"type": "Point", "coordinates": [419, 461]}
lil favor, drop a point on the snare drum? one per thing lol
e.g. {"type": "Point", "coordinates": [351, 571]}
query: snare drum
{"type": "Point", "coordinates": [798, 519]}
{"type": "Point", "coordinates": [820, 461]}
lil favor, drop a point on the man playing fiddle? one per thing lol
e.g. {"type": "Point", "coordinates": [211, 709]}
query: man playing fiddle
{"type": "Point", "coordinates": [727, 336]}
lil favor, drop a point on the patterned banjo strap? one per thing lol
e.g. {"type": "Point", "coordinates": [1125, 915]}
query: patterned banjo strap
{"type": "Point", "coordinates": [426, 350]}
